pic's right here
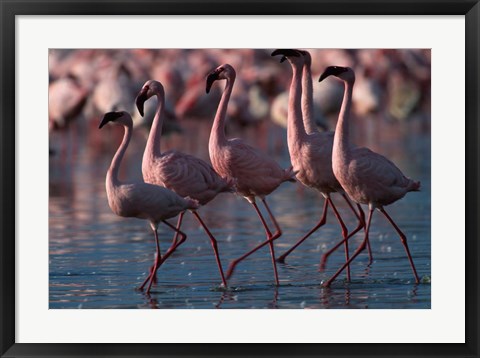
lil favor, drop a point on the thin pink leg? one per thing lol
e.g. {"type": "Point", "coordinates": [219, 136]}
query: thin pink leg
{"type": "Point", "coordinates": [159, 261]}
{"type": "Point", "coordinates": [322, 222]}
{"type": "Point", "coordinates": [344, 234]}
{"type": "Point", "coordinates": [179, 224]}
{"type": "Point", "coordinates": [355, 254]}
{"type": "Point", "coordinates": [172, 248]}
{"type": "Point", "coordinates": [361, 224]}
{"type": "Point", "coordinates": [270, 242]}
{"type": "Point", "coordinates": [403, 238]}
{"type": "Point", "coordinates": [156, 263]}
{"type": "Point", "coordinates": [270, 239]}
{"type": "Point", "coordinates": [174, 244]}
{"type": "Point", "coordinates": [278, 231]}
{"type": "Point", "coordinates": [369, 248]}
{"type": "Point", "coordinates": [214, 246]}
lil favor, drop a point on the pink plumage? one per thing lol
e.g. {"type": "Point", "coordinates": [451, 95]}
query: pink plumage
{"type": "Point", "coordinates": [311, 150]}
{"type": "Point", "coordinates": [183, 173]}
{"type": "Point", "coordinates": [141, 200]}
{"type": "Point", "coordinates": [367, 177]}
{"type": "Point", "coordinates": [255, 174]}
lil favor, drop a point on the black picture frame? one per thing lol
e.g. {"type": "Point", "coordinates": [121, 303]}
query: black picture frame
{"type": "Point", "coordinates": [9, 9]}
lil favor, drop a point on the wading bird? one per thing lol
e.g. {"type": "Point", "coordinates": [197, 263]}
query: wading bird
{"type": "Point", "coordinates": [255, 174]}
{"type": "Point", "coordinates": [311, 150]}
{"type": "Point", "coordinates": [367, 177]}
{"type": "Point", "coordinates": [141, 200]}
{"type": "Point", "coordinates": [183, 173]}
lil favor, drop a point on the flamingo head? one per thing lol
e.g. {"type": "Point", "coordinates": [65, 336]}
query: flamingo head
{"type": "Point", "coordinates": [120, 117]}
{"type": "Point", "coordinates": [223, 72]}
{"type": "Point", "coordinates": [149, 89]}
{"type": "Point", "coordinates": [307, 58]}
{"type": "Point", "coordinates": [293, 56]}
{"type": "Point", "coordinates": [344, 73]}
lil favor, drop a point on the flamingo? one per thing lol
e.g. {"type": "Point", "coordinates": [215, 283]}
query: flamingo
{"type": "Point", "coordinates": [141, 200]}
{"type": "Point", "coordinates": [66, 98]}
{"type": "Point", "coordinates": [255, 174]}
{"type": "Point", "coordinates": [183, 173]}
{"type": "Point", "coordinates": [311, 150]}
{"type": "Point", "coordinates": [367, 177]}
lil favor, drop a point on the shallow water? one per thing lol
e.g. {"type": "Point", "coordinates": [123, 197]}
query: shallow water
{"type": "Point", "coordinates": [97, 259]}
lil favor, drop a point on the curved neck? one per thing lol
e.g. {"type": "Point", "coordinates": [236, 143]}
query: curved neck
{"type": "Point", "coordinates": [217, 135]}
{"type": "Point", "coordinates": [112, 174]}
{"type": "Point", "coordinates": [295, 128]}
{"type": "Point", "coordinates": [307, 100]}
{"type": "Point", "coordinates": [341, 139]}
{"type": "Point", "coordinates": [153, 143]}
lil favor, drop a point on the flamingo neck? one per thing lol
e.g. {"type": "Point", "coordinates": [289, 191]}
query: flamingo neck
{"type": "Point", "coordinates": [295, 128]}
{"type": "Point", "coordinates": [341, 140]}
{"type": "Point", "coordinates": [307, 100]}
{"type": "Point", "coordinates": [112, 174]}
{"type": "Point", "coordinates": [152, 148]}
{"type": "Point", "coordinates": [217, 134]}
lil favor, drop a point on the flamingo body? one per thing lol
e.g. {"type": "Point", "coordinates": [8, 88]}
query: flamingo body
{"type": "Point", "coordinates": [183, 173]}
{"type": "Point", "coordinates": [312, 159]}
{"type": "Point", "coordinates": [370, 178]}
{"type": "Point", "coordinates": [367, 177]}
{"type": "Point", "coordinates": [254, 173]}
{"type": "Point", "coordinates": [141, 200]}
{"type": "Point", "coordinates": [311, 150]}
{"type": "Point", "coordinates": [180, 172]}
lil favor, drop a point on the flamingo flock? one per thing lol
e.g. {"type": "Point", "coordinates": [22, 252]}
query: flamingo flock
{"type": "Point", "coordinates": [174, 182]}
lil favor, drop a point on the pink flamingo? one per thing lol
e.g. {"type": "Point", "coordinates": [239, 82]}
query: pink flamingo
{"type": "Point", "coordinates": [367, 177]}
{"type": "Point", "coordinates": [141, 200]}
{"type": "Point", "coordinates": [255, 174]}
{"type": "Point", "coordinates": [311, 150]}
{"type": "Point", "coordinates": [183, 173]}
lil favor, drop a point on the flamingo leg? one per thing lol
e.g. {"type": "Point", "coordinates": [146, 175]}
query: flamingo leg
{"type": "Point", "coordinates": [361, 224]}
{"type": "Point", "coordinates": [344, 234]}
{"type": "Point", "coordinates": [403, 238]}
{"type": "Point", "coordinates": [155, 265]}
{"type": "Point", "coordinates": [172, 248]}
{"type": "Point", "coordinates": [174, 245]}
{"type": "Point", "coordinates": [214, 246]}
{"type": "Point", "coordinates": [355, 254]}
{"type": "Point", "coordinates": [362, 215]}
{"type": "Point", "coordinates": [179, 224]}
{"type": "Point", "coordinates": [269, 241]}
{"type": "Point", "coordinates": [159, 262]}
{"type": "Point", "coordinates": [278, 231]}
{"type": "Point", "coordinates": [322, 222]}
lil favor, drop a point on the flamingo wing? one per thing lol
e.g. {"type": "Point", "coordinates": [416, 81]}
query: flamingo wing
{"type": "Point", "coordinates": [147, 201]}
{"type": "Point", "coordinates": [252, 170]}
{"type": "Point", "coordinates": [187, 176]}
{"type": "Point", "coordinates": [375, 174]}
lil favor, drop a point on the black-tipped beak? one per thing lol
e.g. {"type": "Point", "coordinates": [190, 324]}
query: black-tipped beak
{"type": "Point", "coordinates": [212, 77]}
{"type": "Point", "coordinates": [332, 70]}
{"type": "Point", "coordinates": [109, 117]}
{"type": "Point", "coordinates": [285, 53]}
{"type": "Point", "coordinates": [140, 100]}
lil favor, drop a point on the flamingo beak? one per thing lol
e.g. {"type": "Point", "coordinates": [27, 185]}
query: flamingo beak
{"type": "Point", "coordinates": [332, 70]}
{"type": "Point", "coordinates": [109, 117]}
{"type": "Point", "coordinates": [140, 100]}
{"type": "Point", "coordinates": [285, 53]}
{"type": "Point", "coordinates": [212, 77]}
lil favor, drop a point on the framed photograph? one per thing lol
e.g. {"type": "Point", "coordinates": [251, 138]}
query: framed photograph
{"type": "Point", "coordinates": [82, 275]}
